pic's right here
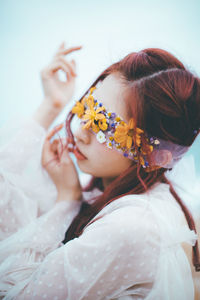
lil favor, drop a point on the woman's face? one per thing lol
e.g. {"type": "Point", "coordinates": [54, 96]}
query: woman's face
{"type": "Point", "coordinates": [100, 160]}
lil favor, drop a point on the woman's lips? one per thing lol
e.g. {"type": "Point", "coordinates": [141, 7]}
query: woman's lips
{"type": "Point", "coordinates": [78, 154]}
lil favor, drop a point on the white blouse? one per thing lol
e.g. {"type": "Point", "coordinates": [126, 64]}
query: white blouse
{"type": "Point", "coordinates": [133, 252]}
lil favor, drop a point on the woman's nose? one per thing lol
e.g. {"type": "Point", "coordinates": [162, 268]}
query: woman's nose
{"type": "Point", "coordinates": [82, 135]}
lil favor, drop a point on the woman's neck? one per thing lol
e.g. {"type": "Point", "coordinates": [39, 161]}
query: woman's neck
{"type": "Point", "coordinates": [107, 181]}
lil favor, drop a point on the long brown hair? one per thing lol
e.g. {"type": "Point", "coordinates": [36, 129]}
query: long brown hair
{"type": "Point", "coordinates": [166, 98]}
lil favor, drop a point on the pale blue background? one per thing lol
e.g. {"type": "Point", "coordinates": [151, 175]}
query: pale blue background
{"type": "Point", "coordinates": [31, 31]}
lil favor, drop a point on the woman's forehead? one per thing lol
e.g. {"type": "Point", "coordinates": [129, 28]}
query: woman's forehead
{"type": "Point", "coordinates": [111, 93]}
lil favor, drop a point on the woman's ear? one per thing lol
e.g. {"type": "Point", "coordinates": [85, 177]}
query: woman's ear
{"type": "Point", "coordinates": [161, 158]}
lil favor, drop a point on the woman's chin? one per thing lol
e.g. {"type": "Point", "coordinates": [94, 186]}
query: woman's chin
{"type": "Point", "coordinates": [82, 166]}
{"type": "Point", "coordinates": [86, 170]}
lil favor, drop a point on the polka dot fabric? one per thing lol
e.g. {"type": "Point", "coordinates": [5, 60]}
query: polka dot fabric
{"type": "Point", "coordinates": [134, 251]}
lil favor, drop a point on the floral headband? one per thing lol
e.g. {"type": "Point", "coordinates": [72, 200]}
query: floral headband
{"type": "Point", "coordinates": [124, 137]}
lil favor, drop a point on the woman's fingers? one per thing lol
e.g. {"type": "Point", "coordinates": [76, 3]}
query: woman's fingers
{"type": "Point", "coordinates": [73, 64]}
{"type": "Point", "coordinates": [63, 51]}
{"type": "Point", "coordinates": [54, 131]}
{"type": "Point", "coordinates": [59, 65]}
{"type": "Point", "coordinates": [59, 62]}
{"type": "Point", "coordinates": [60, 49]}
{"type": "Point", "coordinates": [61, 148]}
{"type": "Point", "coordinates": [65, 158]}
{"type": "Point", "coordinates": [67, 51]}
{"type": "Point", "coordinates": [54, 145]}
{"type": "Point", "coordinates": [68, 65]}
{"type": "Point", "coordinates": [49, 149]}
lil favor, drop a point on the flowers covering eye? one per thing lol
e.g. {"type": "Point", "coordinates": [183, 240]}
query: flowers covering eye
{"type": "Point", "coordinates": [110, 129]}
{"type": "Point", "coordinates": [93, 117]}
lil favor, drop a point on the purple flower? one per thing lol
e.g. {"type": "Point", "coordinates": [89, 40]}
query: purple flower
{"type": "Point", "coordinates": [113, 115]}
{"type": "Point", "coordinates": [151, 139]}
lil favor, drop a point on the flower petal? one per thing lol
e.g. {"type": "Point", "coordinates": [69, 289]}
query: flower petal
{"type": "Point", "coordinates": [131, 123]}
{"type": "Point", "coordinates": [139, 131]}
{"type": "Point", "coordinates": [78, 109]}
{"type": "Point", "coordinates": [86, 117]}
{"type": "Point", "coordinates": [100, 109]}
{"type": "Point", "coordinates": [129, 142]}
{"type": "Point", "coordinates": [92, 89]}
{"type": "Point", "coordinates": [99, 117]}
{"type": "Point", "coordinates": [141, 160]}
{"type": "Point", "coordinates": [101, 137]}
{"type": "Point", "coordinates": [120, 139]}
{"type": "Point", "coordinates": [95, 127]}
{"type": "Point", "coordinates": [103, 125]}
{"type": "Point", "coordinates": [121, 131]}
{"type": "Point", "coordinates": [87, 125]}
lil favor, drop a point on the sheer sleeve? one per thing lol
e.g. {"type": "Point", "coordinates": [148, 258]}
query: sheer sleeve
{"type": "Point", "coordinates": [20, 144]}
{"type": "Point", "coordinates": [26, 190]}
{"type": "Point", "coordinates": [187, 184]}
{"type": "Point", "coordinates": [116, 255]}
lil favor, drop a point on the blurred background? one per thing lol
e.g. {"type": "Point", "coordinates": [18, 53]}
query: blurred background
{"type": "Point", "coordinates": [32, 30]}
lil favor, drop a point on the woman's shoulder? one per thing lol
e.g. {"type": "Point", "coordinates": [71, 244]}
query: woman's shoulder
{"type": "Point", "coordinates": [155, 212]}
{"type": "Point", "coordinates": [134, 210]}
{"type": "Point", "coordinates": [157, 195]}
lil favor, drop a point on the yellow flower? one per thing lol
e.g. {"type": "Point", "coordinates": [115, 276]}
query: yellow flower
{"type": "Point", "coordinates": [91, 116]}
{"type": "Point", "coordinates": [141, 160]}
{"type": "Point", "coordinates": [146, 149]}
{"type": "Point", "coordinates": [117, 119]}
{"type": "Point", "coordinates": [92, 89]}
{"type": "Point", "coordinates": [125, 134]}
{"type": "Point", "coordinates": [90, 101]}
{"type": "Point", "coordinates": [78, 108]}
{"type": "Point", "coordinates": [137, 139]}
{"type": "Point", "coordinates": [102, 124]}
{"type": "Point", "coordinates": [95, 128]}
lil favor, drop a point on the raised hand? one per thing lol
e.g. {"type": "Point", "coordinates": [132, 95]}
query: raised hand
{"type": "Point", "coordinates": [60, 167]}
{"type": "Point", "coordinates": [56, 91]}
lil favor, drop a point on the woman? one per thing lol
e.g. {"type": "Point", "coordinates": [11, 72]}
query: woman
{"type": "Point", "coordinates": [127, 234]}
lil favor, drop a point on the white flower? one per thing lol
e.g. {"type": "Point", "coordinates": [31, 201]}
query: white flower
{"type": "Point", "coordinates": [101, 138]}
{"type": "Point", "coordinates": [156, 142]}
{"type": "Point", "coordinates": [109, 145]}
